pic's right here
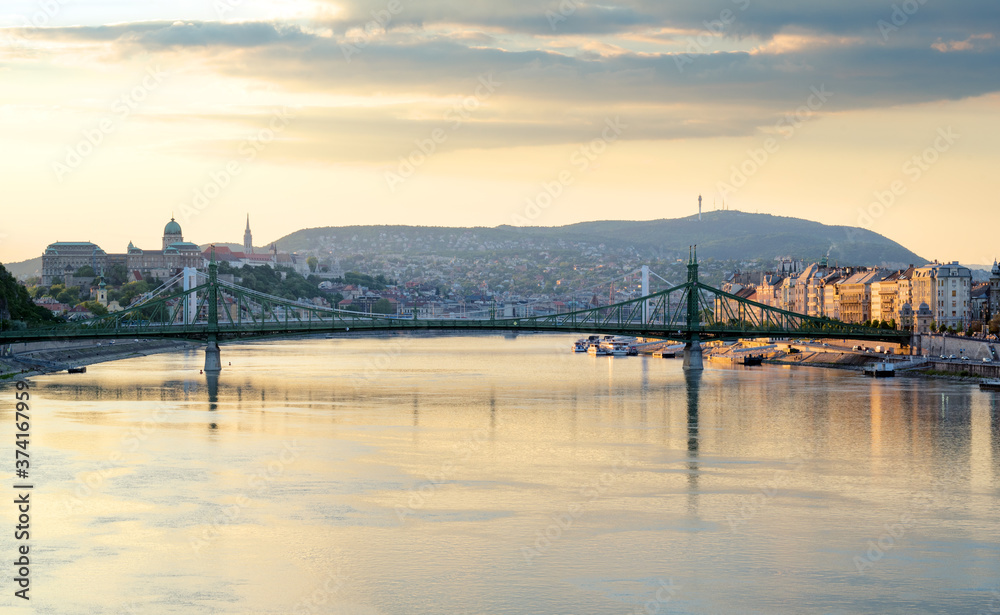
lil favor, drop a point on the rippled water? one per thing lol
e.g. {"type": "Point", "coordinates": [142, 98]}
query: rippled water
{"type": "Point", "coordinates": [495, 475]}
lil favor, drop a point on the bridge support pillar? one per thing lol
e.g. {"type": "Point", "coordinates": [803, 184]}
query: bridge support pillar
{"type": "Point", "coordinates": [213, 358]}
{"type": "Point", "coordinates": [693, 359]}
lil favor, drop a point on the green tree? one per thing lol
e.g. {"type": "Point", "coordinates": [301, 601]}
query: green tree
{"type": "Point", "coordinates": [116, 275]}
{"type": "Point", "coordinates": [132, 290]}
{"type": "Point", "coordinates": [995, 324]}
{"type": "Point", "coordinates": [313, 263]}
{"type": "Point", "coordinates": [85, 272]}
{"type": "Point", "coordinates": [69, 295]}
{"type": "Point", "coordinates": [383, 306]}
{"type": "Point", "coordinates": [95, 308]}
{"type": "Point", "coordinates": [16, 306]}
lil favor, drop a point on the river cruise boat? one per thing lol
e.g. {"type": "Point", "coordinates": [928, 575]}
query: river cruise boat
{"type": "Point", "coordinates": [990, 385]}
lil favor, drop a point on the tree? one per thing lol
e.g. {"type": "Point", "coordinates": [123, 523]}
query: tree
{"type": "Point", "coordinates": [383, 306]}
{"type": "Point", "coordinates": [69, 295]}
{"type": "Point", "coordinates": [116, 275]}
{"type": "Point", "coordinates": [995, 324]}
{"type": "Point", "coordinates": [16, 306]}
{"type": "Point", "coordinates": [313, 262]}
{"type": "Point", "coordinates": [934, 327]}
{"type": "Point", "coordinates": [85, 272]}
{"type": "Point", "coordinates": [95, 308]}
{"type": "Point", "coordinates": [132, 290]}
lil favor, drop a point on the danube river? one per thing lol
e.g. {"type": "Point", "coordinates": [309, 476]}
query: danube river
{"type": "Point", "coordinates": [486, 475]}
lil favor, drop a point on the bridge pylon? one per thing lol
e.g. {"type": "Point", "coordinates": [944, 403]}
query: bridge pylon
{"type": "Point", "coordinates": [693, 358]}
{"type": "Point", "coordinates": [213, 356]}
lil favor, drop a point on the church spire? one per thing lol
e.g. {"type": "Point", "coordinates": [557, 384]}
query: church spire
{"type": "Point", "coordinates": [248, 238]}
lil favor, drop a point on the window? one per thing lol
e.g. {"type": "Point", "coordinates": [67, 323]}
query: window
{"type": "Point", "coordinates": [953, 293]}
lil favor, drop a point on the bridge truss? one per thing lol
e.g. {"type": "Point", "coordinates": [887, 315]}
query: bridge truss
{"type": "Point", "coordinates": [215, 311]}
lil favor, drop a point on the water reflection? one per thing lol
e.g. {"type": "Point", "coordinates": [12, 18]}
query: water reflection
{"type": "Point", "coordinates": [702, 445]}
{"type": "Point", "coordinates": [692, 382]}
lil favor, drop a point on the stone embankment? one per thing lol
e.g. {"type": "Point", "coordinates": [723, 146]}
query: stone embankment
{"type": "Point", "coordinates": [23, 360]}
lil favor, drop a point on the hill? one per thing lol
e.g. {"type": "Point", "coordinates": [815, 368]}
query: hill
{"type": "Point", "coordinates": [25, 269]}
{"type": "Point", "coordinates": [16, 304]}
{"type": "Point", "coordinates": [720, 235]}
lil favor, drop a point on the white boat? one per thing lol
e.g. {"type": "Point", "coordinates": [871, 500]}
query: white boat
{"type": "Point", "coordinates": [615, 347]}
{"type": "Point", "coordinates": [582, 344]}
{"type": "Point", "coordinates": [598, 350]}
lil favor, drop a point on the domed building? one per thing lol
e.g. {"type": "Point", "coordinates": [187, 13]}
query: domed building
{"type": "Point", "coordinates": [63, 258]}
{"type": "Point", "coordinates": [174, 255]}
{"type": "Point", "coordinates": [172, 233]}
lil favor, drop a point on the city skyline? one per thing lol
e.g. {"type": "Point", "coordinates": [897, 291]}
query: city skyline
{"type": "Point", "coordinates": [314, 114]}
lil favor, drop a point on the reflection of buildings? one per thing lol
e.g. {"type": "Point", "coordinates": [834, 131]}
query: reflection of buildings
{"type": "Point", "coordinates": [63, 258]}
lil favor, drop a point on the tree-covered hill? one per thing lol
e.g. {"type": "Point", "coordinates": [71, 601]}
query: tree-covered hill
{"type": "Point", "coordinates": [722, 235]}
{"type": "Point", "coordinates": [16, 305]}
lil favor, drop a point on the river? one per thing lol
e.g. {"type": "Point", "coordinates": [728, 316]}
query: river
{"type": "Point", "coordinates": [489, 475]}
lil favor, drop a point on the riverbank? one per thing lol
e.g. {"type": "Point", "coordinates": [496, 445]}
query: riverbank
{"type": "Point", "coordinates": [53, 357]}
{"type": "Point", "coordinates": [808, 355]}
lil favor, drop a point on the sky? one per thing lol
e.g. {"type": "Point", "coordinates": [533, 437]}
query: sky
{"type": "Point", "coordinates": [117, 115]}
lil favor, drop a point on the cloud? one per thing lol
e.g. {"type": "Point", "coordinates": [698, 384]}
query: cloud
{"type": "Point", "coordinates": [758, 18]}
{"type": "Point", "coordinates": [555, 89]}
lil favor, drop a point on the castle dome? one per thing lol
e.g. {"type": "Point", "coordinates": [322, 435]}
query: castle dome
{"type": "Point", "coordinates": [172, 228]}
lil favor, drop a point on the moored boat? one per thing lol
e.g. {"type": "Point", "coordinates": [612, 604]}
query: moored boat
{"type": "Point", "coordinates": [597, 350]}
{"type": "Point", "coordinates": [752, 360]}
{"type": "Point", "coordinates": [614, 347]}
{"type": "Point", "coordinates": [882, 369]}
{"type": "Point", "coordinates": [990, 385]}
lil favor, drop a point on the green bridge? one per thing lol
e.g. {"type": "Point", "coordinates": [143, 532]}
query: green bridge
{"type": "Point", "coordinates": [216, 311]}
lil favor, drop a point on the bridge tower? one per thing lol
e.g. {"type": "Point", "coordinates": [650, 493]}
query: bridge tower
{"type": "Point", "coordinates": [693, 359]}
{"type": "Point", "coordinates": [213, 356]}
{"type": "Point", "coordinates": [645, 293]}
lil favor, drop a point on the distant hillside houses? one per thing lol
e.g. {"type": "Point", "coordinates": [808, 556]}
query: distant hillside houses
{"type": "Point", "coordinates": [63, 258]}
{"type": "Point", "coordinates": [939, 293]}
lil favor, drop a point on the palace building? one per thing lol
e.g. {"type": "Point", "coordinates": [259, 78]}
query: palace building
{"type": "Point", "coordinates": [63, 258]}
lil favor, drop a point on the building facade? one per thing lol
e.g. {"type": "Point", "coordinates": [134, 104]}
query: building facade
{"type": "Point", "coordinates": [994, 291]}
{"type": "Point", "coordinates": [947, 291]}
{"type": "Point", "coordinates": [62, 258]}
